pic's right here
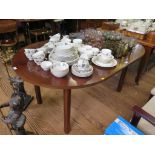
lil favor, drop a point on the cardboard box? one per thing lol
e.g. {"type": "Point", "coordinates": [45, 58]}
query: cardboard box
{"type": "Point", "coordinates": [122, 127]}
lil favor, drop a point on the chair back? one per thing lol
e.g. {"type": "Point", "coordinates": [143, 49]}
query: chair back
{"type": "Point", "coordinates": [7, 26]}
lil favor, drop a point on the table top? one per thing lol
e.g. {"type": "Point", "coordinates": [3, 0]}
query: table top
{"type": "Point", "coordinates": [146, 43]}
{"type": "Point", "coordinates": [34, 74]}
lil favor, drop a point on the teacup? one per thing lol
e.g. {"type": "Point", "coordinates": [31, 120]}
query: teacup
{"type": "Point", "coordinates": [46, 65]}
{"type": "Point", "coordinates": [77, 42]}
{"type": "Point", "coordinates": [29, 53]}
{"type": "Point", "coordinates": [39, 57]}
{"type": "Point", "coordinates": [106, 52]}
{"type": "Point", "coordinates": [39, 54]}
{"type": "Point", "coordinates": [55, 38]}
{"type": "Point", "coordinates": [104, 58]}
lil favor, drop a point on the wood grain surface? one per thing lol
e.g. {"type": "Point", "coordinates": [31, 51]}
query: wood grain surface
{"type": "Point", "coordinates": [93, 108]}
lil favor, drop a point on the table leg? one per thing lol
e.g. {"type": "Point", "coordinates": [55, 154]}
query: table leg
{"type": "Point", "coordinates": [121, 80]}
{"type": "Point", "coordinates": [67, 109]}
{"type": "Point", "coordinates": [38, 94]}
{"type": "Point", "coordinates": [147, 54]}
{"type": "Point", "coordinates": [140, 70]}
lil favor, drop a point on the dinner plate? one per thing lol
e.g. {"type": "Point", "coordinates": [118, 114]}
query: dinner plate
{"type": "Point", "coordinates": [113, 63]}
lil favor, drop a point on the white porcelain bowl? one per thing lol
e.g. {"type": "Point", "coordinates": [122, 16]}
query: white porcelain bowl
{"type": "Point", "coordinates": [46, 65]}
{"type": "Point", "coordinates": [60, 69]}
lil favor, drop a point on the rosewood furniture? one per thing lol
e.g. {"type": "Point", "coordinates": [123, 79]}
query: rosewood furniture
{"type": "Point", "coordinates": [33, 74]}
{"type": "Point", "coordinates": [144, 118]}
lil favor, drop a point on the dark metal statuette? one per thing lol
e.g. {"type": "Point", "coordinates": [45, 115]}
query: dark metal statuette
{"type": "Point", "coordinates": [18, 103]}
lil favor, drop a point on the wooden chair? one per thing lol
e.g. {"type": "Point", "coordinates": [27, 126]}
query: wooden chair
{"type": "Point", "coordinates": [40, 32]}
{"type": "Point", "coordinates": [39, 29]}
{"type": "Point", "coordinates": [9, 37]}
{"type": "Point", "coordinates": [144, 118]}
{"type": "Point", "coordinates": [58, 25]}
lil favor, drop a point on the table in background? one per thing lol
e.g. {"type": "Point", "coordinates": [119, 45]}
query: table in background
{"type": "Point", "coordinates": [33, 74]}
{"type": "Point", "coordinates": [147, 40]}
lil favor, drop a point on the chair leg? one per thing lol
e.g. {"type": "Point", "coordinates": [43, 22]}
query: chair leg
{"type": "Point", "coordinates": [150, 97]}
{"type": "Point", "coordinates": [135, 120]}
{"type": "Point", "coordinates": [36, 38]}
{"type": "Point", "coordinates": [44, 37]}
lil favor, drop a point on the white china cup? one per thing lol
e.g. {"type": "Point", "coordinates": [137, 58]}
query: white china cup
{"type": "Point", "coordinates": [106, 52]}
{"type": "Point", "coordinates": [104, 59]}
{"type": "Point", "coordinates": [46, 65]}
{"type": "Point", "coordinates": [38, 57]}
{"type": "Point", "coordinates": [77, 42]}
{"type": "Point", "coordinates": [55, 38]}
{"type": "Point", "coordinates": [39, 54]}
{"type": "Point", "coordinates": [29, 53]}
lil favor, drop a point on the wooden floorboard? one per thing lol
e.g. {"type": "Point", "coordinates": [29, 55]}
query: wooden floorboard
{"type": "Point", "coordinates": [93, 108]}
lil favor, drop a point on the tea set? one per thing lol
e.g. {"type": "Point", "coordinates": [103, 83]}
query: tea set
{"type": "Point", "coordinates": [64, 52]}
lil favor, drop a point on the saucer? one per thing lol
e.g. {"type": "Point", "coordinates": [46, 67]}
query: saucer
{"type": "Point", "coordinates": [113, 63]}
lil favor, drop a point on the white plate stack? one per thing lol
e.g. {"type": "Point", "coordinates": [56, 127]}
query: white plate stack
{"type": "Point", "coordinates": [64, 53]}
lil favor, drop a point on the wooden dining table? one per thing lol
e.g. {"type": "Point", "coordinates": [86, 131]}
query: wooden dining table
{"type": "Point", "coordinates": [32, 73]}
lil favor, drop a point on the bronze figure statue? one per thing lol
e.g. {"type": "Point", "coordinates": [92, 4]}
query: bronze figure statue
{"type": "Point", "coordinates": [18, 103]}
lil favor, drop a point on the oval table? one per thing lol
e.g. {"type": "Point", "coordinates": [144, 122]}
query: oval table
{"type": "Point", "coordinates": [33, 74]}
